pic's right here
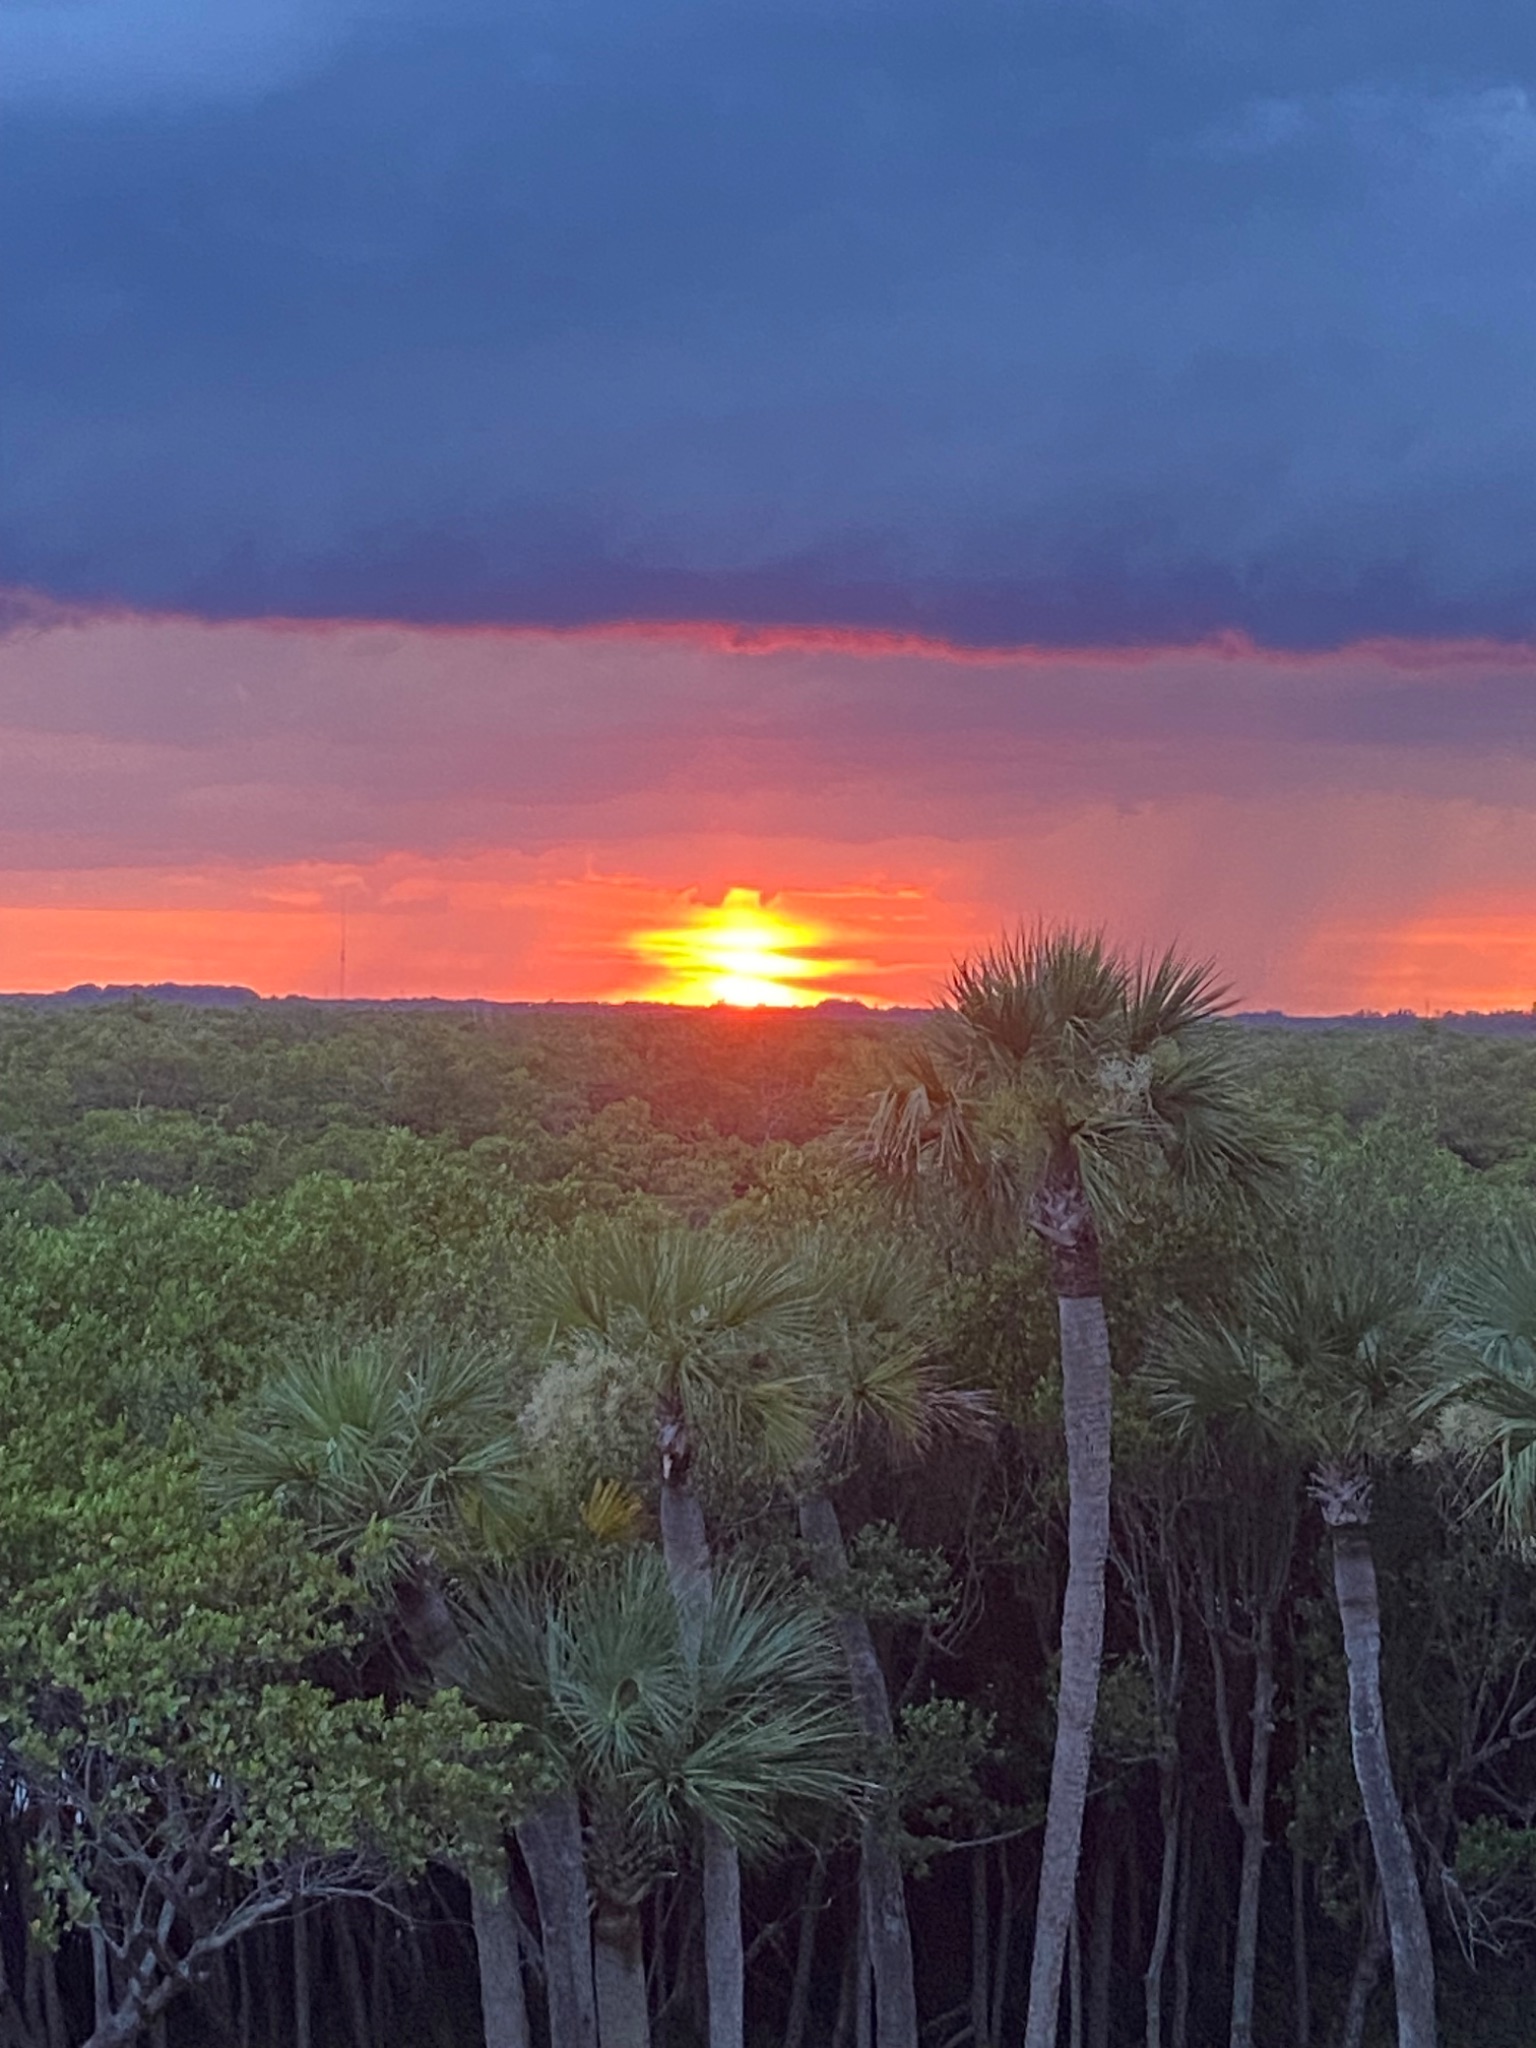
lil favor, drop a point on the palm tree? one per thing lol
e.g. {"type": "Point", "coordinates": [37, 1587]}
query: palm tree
{"type": "Point", "coordinates": [1064, 1074]}
{"type": "Point", "coordinates": [704, 1319]}
{"type": "Point", "coordinates": [879, 1394]}
{"type": "Point", "coordinates": [396, 1450]}
{"type": "Point", "coordinates": [1493, 1302]}
{"type": "Point", "coordinates": [1331, 1362]}
{"type": "Point", "coordinates": [737, 1729]}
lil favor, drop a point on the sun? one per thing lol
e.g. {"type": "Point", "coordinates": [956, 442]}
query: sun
{"type": "Point", "coordinates": [740, 951]}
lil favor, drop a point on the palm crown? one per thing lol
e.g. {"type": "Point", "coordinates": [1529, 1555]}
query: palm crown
{"type": "Point", "coordinates": [388, 1446]}
{"type": "Point", "coordinates": [1329, 1357]}
{"type": "Point", "coordinates": [1060, 1056]}
{"type": "Point", "coordinates": [1493, 1303]}
{"type": "Point", "coordinates": [753, 1726]}
{"type": "Point", "coordinates": [717, 1323]}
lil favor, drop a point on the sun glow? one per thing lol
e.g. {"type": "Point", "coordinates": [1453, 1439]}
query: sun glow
{"type": "Point", "coordinates": [741, 951]}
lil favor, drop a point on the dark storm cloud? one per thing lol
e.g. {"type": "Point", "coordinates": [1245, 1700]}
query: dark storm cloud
{"type": "Point", "coordinates": [1083, 323]}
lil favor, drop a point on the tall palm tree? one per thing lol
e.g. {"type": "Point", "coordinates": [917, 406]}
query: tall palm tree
{"type": "Point", "coordinates": [738, 1728]}
{"type": "Point", "coordinates": [1063, 1075]}
{"type": "Point", "coordinates": [1332, 1360]}
{"type": "Point", "coordinates": [878, 1395]}
{"type": "Point", "coordinates": [397, 1451]}
{"type": "Point", "coordinates": [706, 1321]}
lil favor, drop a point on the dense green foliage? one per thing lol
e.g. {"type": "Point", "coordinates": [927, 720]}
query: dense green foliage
{"type": "Point", "coordinates": [291, 1329]}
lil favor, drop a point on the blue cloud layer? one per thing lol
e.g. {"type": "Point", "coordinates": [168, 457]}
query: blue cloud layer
{"type": "Point", "coordinates": [1089, 322]}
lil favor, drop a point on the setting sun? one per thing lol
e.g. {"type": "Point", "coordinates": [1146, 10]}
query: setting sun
{"type": "Point", "coordinates": [740, 951]}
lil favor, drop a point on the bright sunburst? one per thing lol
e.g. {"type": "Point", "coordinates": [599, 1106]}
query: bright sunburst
{"type": "Point", "coordinates": [740, 951]}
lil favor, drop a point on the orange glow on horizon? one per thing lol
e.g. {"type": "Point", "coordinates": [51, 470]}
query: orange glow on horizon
{"type": "Point", "coordinates": [1454, 956]}
{"type": "Point", "coordinates": [743, 952]}
{"type": "Point", "coordinates": [492, 926]}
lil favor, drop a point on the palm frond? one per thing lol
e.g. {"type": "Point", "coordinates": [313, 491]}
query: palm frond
{"type": "Point", "coordinates": [1168, 997]}
{"type": "Point", "coordinates": [1332, 1354]}
{"type": "Point", "coordinates": [405, 1433]}
{"type": "Point", "coordinates": [874, 1352]}
{"type": "Point", "coordinates": [1493, 1299]}
{"type": "Point", "coordinates": [501, 1661]}
{"type": "Point", "coordinates": [758, 1724]}
{"type": "Point", "coordinates": [612, 1512]}
{"type": "Point", "coordinates": [1041, 992]}
{"type": "Point", "coordinates": [1210, 1377]}
{"type": "Point", "coordinates": [1209, 1126]}
{"type": "Point", "coordinates": [665, 1288]}
{"type": "Point", "coordinates": [714, 1320]}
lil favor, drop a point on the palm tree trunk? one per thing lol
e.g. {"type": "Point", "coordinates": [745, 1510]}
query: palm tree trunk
{"type": "Point", "coordinates": [550, 1839]}
{"type": "Point", "coordinates": [724, 1956]}
{"type": "Point", "coordinates": [503, 2008]}
{"type": "Point", "coordinates": [1086, 1414]}
{"type": "Point", "coordinates": [881, 1886]}
{"type": "Point", "coordinates": [618, 1954]}
{"type": "Point", "coordinates": [1413, 1963]}
{"type": "Point", "coordinates": [685, 1546]}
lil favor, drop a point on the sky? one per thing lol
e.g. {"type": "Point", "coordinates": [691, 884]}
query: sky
{"type": "Point", "coordinates": [748, 499]}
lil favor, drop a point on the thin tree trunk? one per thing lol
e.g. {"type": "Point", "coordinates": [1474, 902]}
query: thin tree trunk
{"type": "Point", "coordinates": [379, 1974]}
{"type": "Point", "coordinates": [498, 1958]}
{"type": "Point", "coordinates": [1413, 1963]}
{"type": "Point", "coordinates": [1169, 1814]}
{"type": "Point", "coordinates": [1184, 1929]}
{"type": "Point", "coordinates": [1300, 1976]}
{"type": "Point", "coordinates": [244, 2015]}
{"type": "Point", "coordinates": [1300, 1966]}
{"type": "Point", "coordinates": [301, 1984]}
{"type": "Point", "coordinates": [887, 1926]}
{"type": "Point", "coordinates": [847, 1988]}
{"type": "Point", "coordinates": [351, 1973]}
{"type": "Point", "coordinates": [618, 1968]}
{"type": "Point", "coordinates": [32, 1990]}
{"type": "Point", "coordinates": [1087, 1401]}
{"type": "Point", "coordinates": [1101, 1943]}
{"type": "Point", "coordinates": [863, 1987]}
{"type": "Point", "coordinates": [550, 1839]}
{"type": "Point", "coordinates": [685, 1547]}
{"type": "Point", "coordinates": [1372, 1954]}
{"type": "Point", "coordinates": [1248, 1809]}
{"type": "Point", "coordinates": [1004, 1942]}
{"type": "Point", "coordinates": [805, 1956]}
{"type": "Point", "coordinates": [1075, 1979]}
{"type": "Point", "coordinates": [101, 1977]}
{"type": "Point", "coordinates": [53, 2005]}
{"type": "Point", "coordinates": [981, 1953]}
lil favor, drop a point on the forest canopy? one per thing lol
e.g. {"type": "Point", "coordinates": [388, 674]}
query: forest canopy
{"type": "Point", "coordinates": [549, 1523]}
